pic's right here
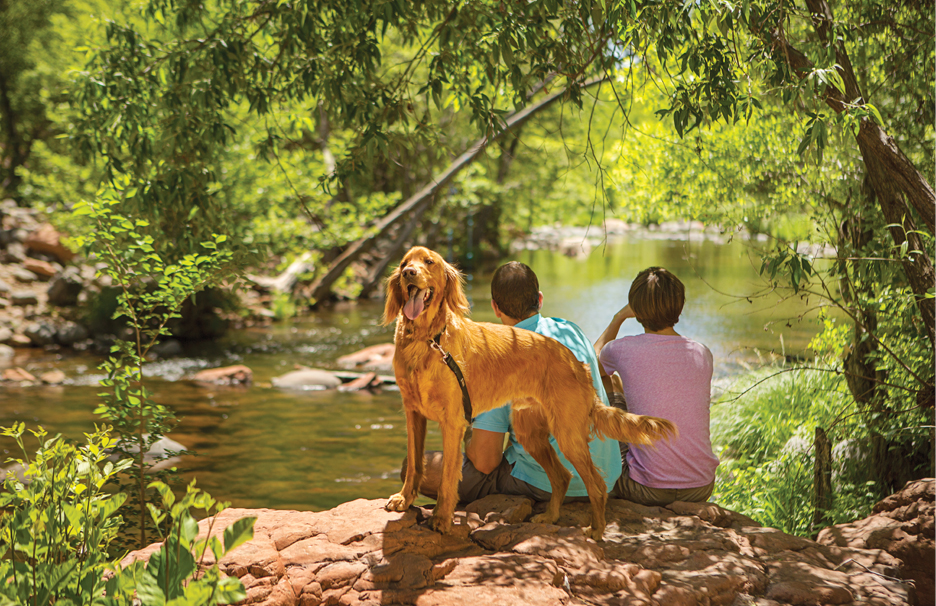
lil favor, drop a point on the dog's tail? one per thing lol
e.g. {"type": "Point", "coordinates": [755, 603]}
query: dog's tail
{"type": "Point", "coordinates": [610, 422]}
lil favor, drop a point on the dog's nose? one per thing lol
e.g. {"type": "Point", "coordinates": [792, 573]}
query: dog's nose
{"type": "Point", "coordinates": [409, 271]}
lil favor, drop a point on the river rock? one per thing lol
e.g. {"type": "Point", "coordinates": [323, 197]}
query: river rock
{"type": "Point", "coordinates": [4, 287]}
{"type": "Point", "coordinates": [363, 382]}
{"type": "Point", "coordinates": [227, 375]}
{"type": "Point", "coordinates": [53, 377]}
{"type": "Point", "coordinates": [43, 269]}
{"type": "Point", "coordinates": [46, 239]}
{"type": "Point", "coordinates": [358, 554]}
{"type": "Point", "coordinates": [23, 298]}
{"type": "Point", "coordinates": [901, 525]}
{"type": "Point", "coordinates": [6, 352]}
{"type": "Point", "coordinates": [5, 335]}
{"type": "Point", "coordinates": [17, 374]}
{"type": "Point", "coordinates": [162, 454]}
{"type": "Point", "coordinates": [68, 333]}
{"type": "Point", "coordinates": [40, 333]}
{"type": "Point", "coordinates": [24, 275]}
{"type": "Point", "coordinates": [14, 252]}
{"type": "Point", "coordinates": [307, 378]}
{"type": "Point", "coordinates": [167, 349]}
{"type": "Point", "coordinates": [65, 288]}
{"type": "Point", "coordinates": [375, 357]}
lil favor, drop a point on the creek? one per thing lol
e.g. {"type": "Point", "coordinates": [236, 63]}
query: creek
{"type": "Point", "coordinates": [264, 447]}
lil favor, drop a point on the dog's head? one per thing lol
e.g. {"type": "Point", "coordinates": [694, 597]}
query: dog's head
{"type": "Point", "coordinates": [421, 284]}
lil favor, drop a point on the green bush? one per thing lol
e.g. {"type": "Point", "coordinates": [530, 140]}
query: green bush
{"type": "Point", "coordinates": [58, 521]}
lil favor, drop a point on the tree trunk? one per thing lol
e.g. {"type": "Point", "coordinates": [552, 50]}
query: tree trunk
{"type": "Point", "coordinates": [13, 143]}
{"type": "Point", "coordinates": [321, 288]}
{"type": "Point", "coordinates": [895, 180]}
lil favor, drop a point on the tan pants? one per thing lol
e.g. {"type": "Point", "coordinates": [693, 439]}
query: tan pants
{"type": "Point", "coordinates": [629, 490]}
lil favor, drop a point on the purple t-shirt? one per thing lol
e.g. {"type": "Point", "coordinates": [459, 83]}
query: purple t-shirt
{"type": "Point", "coordinates": [670, 377]}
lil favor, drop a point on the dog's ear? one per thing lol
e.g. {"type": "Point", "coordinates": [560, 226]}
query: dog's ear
{"type": "Point", "coordinates": [395, 298]}
{"type": "Point", "coordinates": [455, 290]}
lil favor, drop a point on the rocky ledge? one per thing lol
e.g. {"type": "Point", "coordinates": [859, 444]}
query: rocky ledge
{"type": "Point", "coordinates": [359, 554]}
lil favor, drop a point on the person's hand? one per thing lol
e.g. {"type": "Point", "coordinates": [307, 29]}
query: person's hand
{"type": "Point", "coordinates": [625, 313]}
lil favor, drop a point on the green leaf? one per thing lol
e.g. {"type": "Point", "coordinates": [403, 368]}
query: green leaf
{"type": "Point", "coordinates": [238, 533]}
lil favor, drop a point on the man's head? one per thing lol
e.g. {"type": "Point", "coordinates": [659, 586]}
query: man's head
{"type": "Point", "coordinates": [515, 290]}
{"type": "Point", "coordinates": [657, 298]}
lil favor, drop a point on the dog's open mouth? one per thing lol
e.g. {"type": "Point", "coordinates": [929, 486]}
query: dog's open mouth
{"type": "Point", "coordinates": [418, 298]}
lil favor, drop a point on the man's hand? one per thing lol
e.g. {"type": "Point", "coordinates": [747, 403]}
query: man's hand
{"type": "Point", "coordinates": [485, 449]}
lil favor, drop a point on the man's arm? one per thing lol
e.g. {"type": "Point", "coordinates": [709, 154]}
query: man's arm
{"type": "Point", "coordinates": [485, 449]}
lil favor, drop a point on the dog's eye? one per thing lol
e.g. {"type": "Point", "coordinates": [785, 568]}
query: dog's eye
{"type": "Point", "coordinates": [429, 261]}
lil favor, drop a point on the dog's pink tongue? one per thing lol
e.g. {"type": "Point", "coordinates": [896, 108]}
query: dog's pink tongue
{"type": "Point", "coordinates": [415, 305]}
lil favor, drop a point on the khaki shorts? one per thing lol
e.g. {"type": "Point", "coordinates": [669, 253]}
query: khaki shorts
{"type": "Point", "coordinates": [475, 485]}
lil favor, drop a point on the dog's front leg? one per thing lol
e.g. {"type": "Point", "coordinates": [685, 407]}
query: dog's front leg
{"type": "Point", "coordinates": [415, 447]}
{"type": "Point", "coordinates": [453, 430]}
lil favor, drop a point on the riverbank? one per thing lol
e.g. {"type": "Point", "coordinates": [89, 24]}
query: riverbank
{"type": "Point", "coordinates": [358, 554]}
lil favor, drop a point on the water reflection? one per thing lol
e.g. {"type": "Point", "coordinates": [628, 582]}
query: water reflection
{"type": "Point", "coordinates": [262, 447]}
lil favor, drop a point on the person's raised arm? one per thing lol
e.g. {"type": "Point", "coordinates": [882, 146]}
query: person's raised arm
{"type": "Point", "coordinates": [611, 332]}
{"type": "Point", "coordinates": [485, 449]}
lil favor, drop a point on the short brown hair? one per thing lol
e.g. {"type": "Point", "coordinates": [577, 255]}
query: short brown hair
{"type": "Point", "coordinates": [657, 298]}
{"type": "Point", "coordinates": [515, 289]}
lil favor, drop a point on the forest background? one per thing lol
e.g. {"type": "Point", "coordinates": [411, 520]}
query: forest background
{"type": "Point", "coordinates": [191, 143]}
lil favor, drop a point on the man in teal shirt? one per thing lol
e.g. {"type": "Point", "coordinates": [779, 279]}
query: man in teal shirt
{"type": "Point", "coordinates": [489, 468]}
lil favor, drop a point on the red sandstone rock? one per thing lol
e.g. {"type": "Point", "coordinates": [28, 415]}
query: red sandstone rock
{"type": "Point", "coordinates": [17, 374]}
{"type": "Point", "coordinates": [362, 382]}
{"type": "Point", "coordinates": [358, 554]}
{"type": "Point", "coordinates": [375, 357]}
{"type": "Point", "coordinates": [40, 268]}
{"type": "Point", "coordinates": [226, 375]}
{"type": "Point", "coordinates": [47, 240]}
{"type": "Point", "coordinates": [902, 526]}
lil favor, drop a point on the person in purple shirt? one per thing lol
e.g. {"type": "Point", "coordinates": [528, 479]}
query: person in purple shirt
{"type": "Point", "coordinates": [666, 375]}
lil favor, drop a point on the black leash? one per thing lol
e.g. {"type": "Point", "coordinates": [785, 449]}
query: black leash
{"type": "Point", "coordinates": [453, 366]}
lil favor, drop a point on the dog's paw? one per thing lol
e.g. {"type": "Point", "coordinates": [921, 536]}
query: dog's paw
{"type": "Point", "coordinates": [596, 534]}
{"type": "Point", "coordinates": [397, 502]}
{"type": "Point", "coordinates": [544, 518]}
{"type": "Point", "coordinates": [441, 524]}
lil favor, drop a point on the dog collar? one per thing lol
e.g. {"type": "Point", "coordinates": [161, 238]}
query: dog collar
{"type": "Point", "coordinates": [449, 361]}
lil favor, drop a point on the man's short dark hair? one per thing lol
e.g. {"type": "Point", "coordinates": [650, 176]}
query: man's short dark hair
{"type": "Point", "coordinates": [657, 298]}
{"type": "Point", "coordinates": [515, 289]}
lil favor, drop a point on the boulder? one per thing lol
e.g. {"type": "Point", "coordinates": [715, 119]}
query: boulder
{"type": "Point", "coordinates": [307, 379]}
{"type": "Point", "coordinates": [375, 357]}
{"type": "Point", "coordinates": [43, 269]}
{"type": "Point", "coordinates": [46, 239]}
{"type": "Point", "coordinates": [166, 349]}
{"type": "Point", "coordinates": [65, 288]}
{"type": "Point", "coordinates": [901, 525]}
{"type": "Point", "coordinates": [17, 375]}
{"type": "Point", "coordinates": [227, 375]}
{"type": "Point", "coordinates": [53, 377]}
{"type": "Point", "coordinates": [359, 554]}
{"type": "Point", "coordinates": [68, 333]}
{"type": "Point", "coordinates": [40, 333]}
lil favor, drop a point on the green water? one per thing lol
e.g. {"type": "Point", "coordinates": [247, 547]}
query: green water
{"type": "Point", "coordinates": [263, 447]}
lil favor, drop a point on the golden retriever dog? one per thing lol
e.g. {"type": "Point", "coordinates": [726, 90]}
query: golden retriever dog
{"type": "Point", "coordinates": [550, 390]}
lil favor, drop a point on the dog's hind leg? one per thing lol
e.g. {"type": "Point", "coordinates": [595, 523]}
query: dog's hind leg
{"type": "Point", "coordinates": [574, 445]}
{"type": "Point", "coordinates": [532, 431]}
{"type": "Point", "coordinates": [415, 447]}
{"type": "Point", "coordinates": [453, 431]}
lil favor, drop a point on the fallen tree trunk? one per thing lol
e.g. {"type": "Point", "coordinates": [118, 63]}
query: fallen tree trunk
{"type": "Point", "coordinates": [321, 288]}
